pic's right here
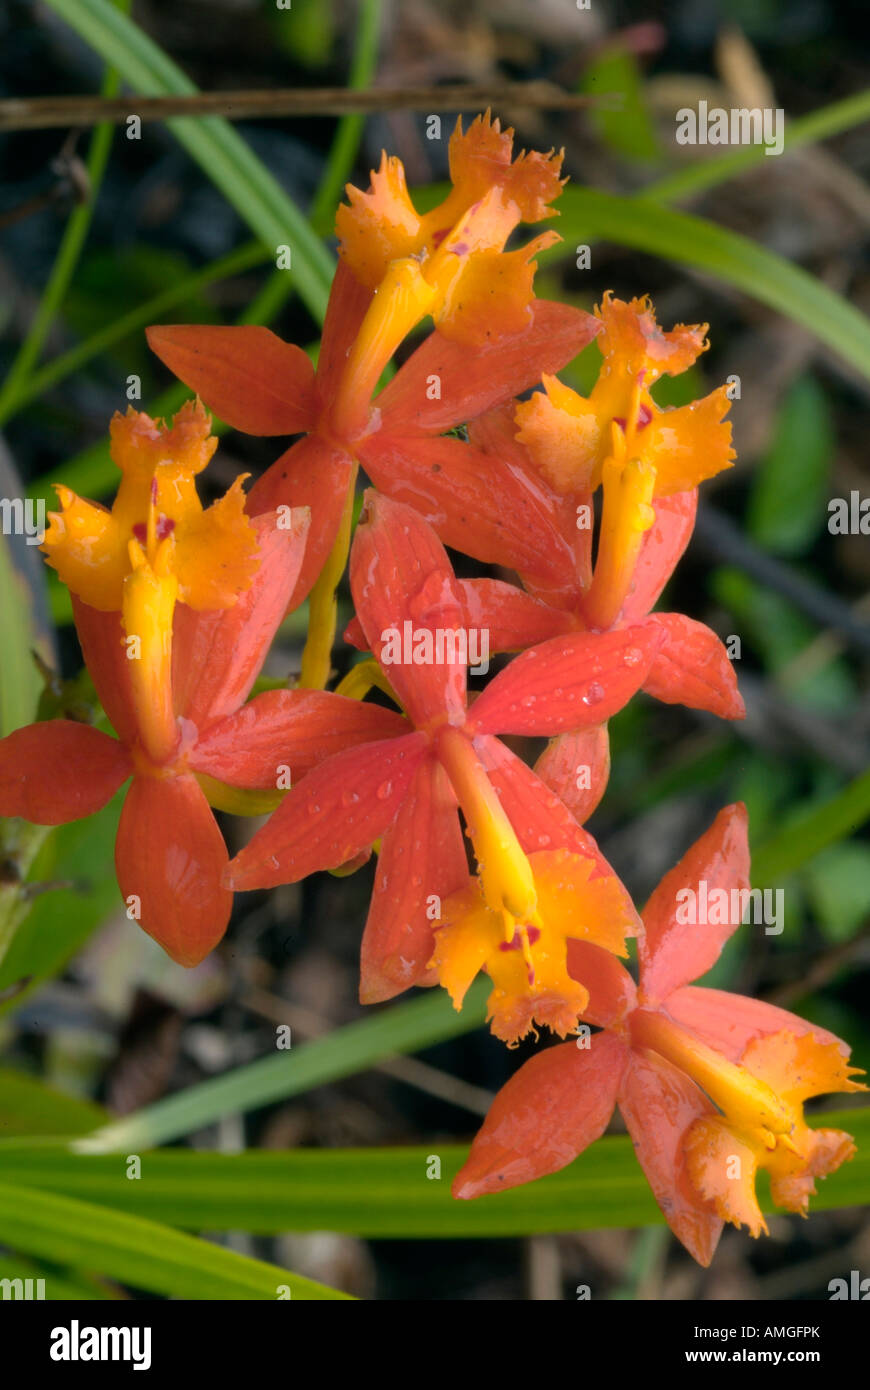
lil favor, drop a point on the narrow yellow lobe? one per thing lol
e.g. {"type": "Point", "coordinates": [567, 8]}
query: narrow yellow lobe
{"type": "Point", "coordinates": [528, 963]}
{"type": "Point", "coordinates": [745, 1099]}
{"type": "Point", "coordinates": [505, 872]}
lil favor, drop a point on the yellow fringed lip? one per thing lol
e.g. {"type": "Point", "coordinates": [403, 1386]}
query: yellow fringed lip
{"type": "Point", "coordinates": [761, 1124]}
{"type": "Point", "coordinates": [157, 546]}
{"type": "Point", "coordinates": [214, 552]}
{"type": "Point", "coordinates": [528, 962]}
{"type": "Point", "coordinates": [569, 436]}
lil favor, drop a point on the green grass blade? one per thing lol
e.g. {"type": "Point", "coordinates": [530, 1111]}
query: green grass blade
{"type": "Point", "coordinates": [380, 1192]}
{"type": "Point", "coordinates": [242, 259]}
{"type": "Point", "coordinates": [399, 1028]}
{"type": "Point", "coordinates": [806, 130]}
{"type": "Point", "coordinates": [349, 130]}
{"type": "Point", "coordinates": [589, 215]}
{"type": "Point", "coordinates": [70, 249]}
{"type": "Point", "coordinates": [138, 1252]}
{"type": "Point", "coordinates": [219, 150]}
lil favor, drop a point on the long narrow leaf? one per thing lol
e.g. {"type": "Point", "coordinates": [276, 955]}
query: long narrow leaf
{"type": "Point", "coordinates": [399, 1028]}
{"type": "Point", "coordinates": [589, 215]}
{"type": "Point", "coordinates": [139, 1252]}
{"type": "Point", "coordinates": [396, 1192]}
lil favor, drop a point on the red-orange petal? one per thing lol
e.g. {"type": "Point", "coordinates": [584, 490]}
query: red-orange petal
{"type": "Point", "coordinates": [445, 383]}
{"type": "Point", "coordinates": [247, 375]}
{"type": "Point", "coordinates": [169, 858]}
{"type": "Point", "coordinates": [576, 766]}
{"type": "Point", "coordinates": [663, 545]}
{"type": "Point", "coordinates": [674, 952]}
{"type": "Point", "coordinates": [217, 655]}
{"type": "Point", "coordinates": [339, 809]}
{"type": "Point", "coordinates": [288, 728]}
{"type": "Point", "coordinates": [101, 638]}
{"type": "Point", "coordinates": [658, 1103]}
{"type": "Point", "coordinates": [403, 587]}
{"type": "Point", "coordinates": [612, 991]}
{"type": "Point", "coordinates": [315, 474]}
{"type": "Point", "coordinates": [730, 1022]}
{"type": "Point", "coordinates": [422, 861]}
{"type": "Point", "coordinates": [514, 619]}
{"type": "Point", "coordinates": [59, 771]}
{"type": "Point", "coordinates": [492, 514]}
{"type": "Point", "coordinates": [554, 1107]}
{"type": "Point", "coordinates": [692, 668]}
{"type": "Point", "coordinates": [567, 683]}
{"type": "Point", "coordinates": [349, 300]}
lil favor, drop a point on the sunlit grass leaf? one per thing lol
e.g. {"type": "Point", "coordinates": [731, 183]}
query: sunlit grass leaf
{"type": "Point", "coordinates": [393, 1192]}
{"type": "Point", "coordinates": [396, 1029]}
{"type": "Point", "coordinates": [787, 503]}
{"type": "Point", "coordinates": [138, 1252]}
{"type": "Point", "coordinates": [811, 829]}
{"type": "Point", "coordinates": [588, 215]}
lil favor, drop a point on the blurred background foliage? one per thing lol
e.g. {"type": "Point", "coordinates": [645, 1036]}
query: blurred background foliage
{"type": "Point", "coordinates": [100, 235]}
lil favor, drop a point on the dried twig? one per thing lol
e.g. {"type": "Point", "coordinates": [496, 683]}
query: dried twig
{"type": "Point", "coordinates": [42, 113]}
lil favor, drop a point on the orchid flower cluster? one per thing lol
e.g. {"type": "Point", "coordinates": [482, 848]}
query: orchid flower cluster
{"type": "Point", "coordinates": [590, 502]}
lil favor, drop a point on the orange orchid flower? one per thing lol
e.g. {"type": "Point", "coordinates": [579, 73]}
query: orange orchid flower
{"type": "Point", "coordinates": [493, 339]}
{"type": "Point", "coordinates": [711, 1085]}
{"type": "Point", "coordinates": [175, 608]}
{"type": "Point", "coordinates": [409, 790]}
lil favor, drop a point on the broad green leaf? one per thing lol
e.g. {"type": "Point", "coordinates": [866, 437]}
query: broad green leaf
{"type": "Point", "coordinates": [398, 1028]}
{"type": "Point", "coordinates": [305, 32]}
{"type": "Point", "coordinates": [588, 215]}
{"type": "Point", "coordinates": [28, 1106]}
{"type": "Point", "coordinates": [138, 1252]}
{"type": "Point", "coordinates": [838, 885]}
{"type": "Point", "coordinates": [394, 1192]}
{"type": "Point", "coordinates": [61, 920]}
{"type": "Point", "coordinates": [779, 632]}
{"type": "Point", "coordinates": [217, 147]}
{"type": "Point", "coordinates": [789, 491]}
{"type": "Point", "coordinates": [809, 832]}
{"type": "Point", "coordinates": [625, 127]}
